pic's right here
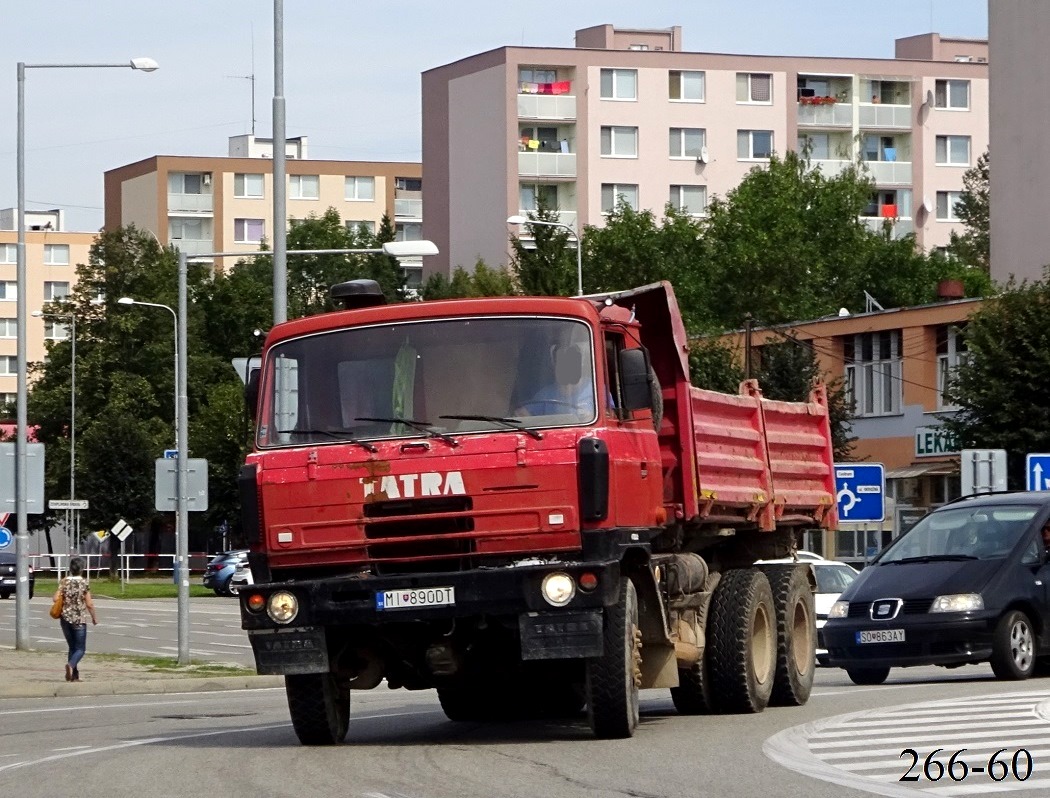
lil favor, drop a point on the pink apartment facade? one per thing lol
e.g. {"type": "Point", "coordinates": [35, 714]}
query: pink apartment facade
{"type": "Point", "coordinates": [629, 113]}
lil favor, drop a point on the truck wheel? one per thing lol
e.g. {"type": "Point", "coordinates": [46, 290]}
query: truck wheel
{"type": "Point", "coordinates": [463, 704]}
{"type": "Point", "coordinates": [1013, 647]}
{"type": "Point", "coordinates": [692, 696]}
{"type": "Point", "coordinates": [320, 714]}
{"type": "Point", "coordinates": [867, 675]}
{"type": "Point", "coordinates": [796, 636]}
{"type": "Point", "coordinates": [658, 399]}
{"type": "Point", "coordinates": [743, 641]}
{"type": "Point", "coordinates": [613, 678]}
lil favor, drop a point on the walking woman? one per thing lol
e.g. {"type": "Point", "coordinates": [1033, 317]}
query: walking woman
{"type": "Point", "coordinates": [77, 606]}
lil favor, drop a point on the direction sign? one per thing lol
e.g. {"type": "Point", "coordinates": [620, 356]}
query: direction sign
{"type": "Point", "coordinates": [67, 504]}
{"type": "Point", "coordinates": [5, 537]}
{"type": "Point", "coordinates": [1037, 466]}
{"type": "Point", "coordinates": [121, 529]}
{"type": "Point", "coordinates": [860, 489]}
{"type": "Point", "coordinates": [34, 477]}
{"type": "Point", "coordinates": [196, 489]}
{"type": "Point", "coordinates": [983, 471]}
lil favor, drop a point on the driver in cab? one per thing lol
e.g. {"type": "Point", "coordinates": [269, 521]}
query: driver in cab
{"type": "Point", "coordinates": [570, 393]}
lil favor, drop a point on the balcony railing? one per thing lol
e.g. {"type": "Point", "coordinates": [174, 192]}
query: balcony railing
{"type": "Point", "coordinates": [835, 115]}
{"type": "Point", "coordinates": [193, 246]}
{"type": "Point", "coordinates": [831, 168]}
{"type": "Point", "coordinates": [890, 172]}
{"type": "Point", "coordinates": [565, 217]}
{"type": "Point", "coordinates": [547, 164]}
{"type": "Point", "coordinates": [408, 208]}
{"type": "Point", "coordinates": [898, 227]}
{"type": "Point", "coordinates": [198, 203]}
{"type": "Point", "coordinates": [898, 116]}
{"type": "Point", "coordinates": [546, 106]}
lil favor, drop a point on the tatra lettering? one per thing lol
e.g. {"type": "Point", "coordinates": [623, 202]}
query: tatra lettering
{"type": "Point", "coordinates": [404, 486]}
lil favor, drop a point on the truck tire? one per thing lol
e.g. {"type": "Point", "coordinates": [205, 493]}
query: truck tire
{"type": "Point", "coordinates": [613, 678]}
{"type": "Point", "coordinates": [692, 696]}
{"type": "Point", "coordinates": [743, 642]}
{"type": "Point", "coordinates": [867, 675]}
{"type": "Point", "coordinates": [1013, 647]}
{"type": "Point", "coordinates": [466, 705]}
{"type": "Point", "coordinates": [658, 399]}
{"type": "Point", "coordinates": [796, 636]}
{"type": "Point", "coordinates": [320, 715]}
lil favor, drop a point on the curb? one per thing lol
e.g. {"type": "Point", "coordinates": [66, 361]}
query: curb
{"type": "Point", "coordinates": [142, 686]}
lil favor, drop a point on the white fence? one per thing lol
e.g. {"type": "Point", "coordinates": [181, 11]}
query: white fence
{"type": "Point", "coordinates": [133, 565]}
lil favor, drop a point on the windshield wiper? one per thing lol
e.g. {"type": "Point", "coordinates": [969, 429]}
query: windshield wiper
{"type": "Point", "coordinates": [931, 558]}
{"type": "Point", "coordinates": [337, 434]}
{"type": "Point", "coordinates": [513, 423]}
{"type": "Point", "coordinates": [423, 426]}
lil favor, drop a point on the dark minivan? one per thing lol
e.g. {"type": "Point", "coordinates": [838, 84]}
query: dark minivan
{"type": "Point", "coordinates": [970, 582]}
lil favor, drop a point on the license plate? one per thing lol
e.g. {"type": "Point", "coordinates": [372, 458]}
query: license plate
{"type": "Point", "coordinates": [416, 597]}
{"type": "Point", "coordinates": [881, 636]}
{"type": "Point", "coordinates": [7, 580]}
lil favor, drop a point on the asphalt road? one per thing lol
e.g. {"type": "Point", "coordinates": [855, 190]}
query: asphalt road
{"type": "Point", "coordinates": [401, 746]}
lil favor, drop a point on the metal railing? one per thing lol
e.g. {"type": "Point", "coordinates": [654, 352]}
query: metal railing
{"type": "Point", "coordinates": [133, 565]}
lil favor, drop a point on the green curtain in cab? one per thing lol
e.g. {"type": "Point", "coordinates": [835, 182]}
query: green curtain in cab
{"type": "Point", "coordinates": [404, 383]}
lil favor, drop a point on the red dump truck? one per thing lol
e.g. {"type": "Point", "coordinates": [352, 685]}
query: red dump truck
{"type": "Point", "coordinates": [523, 503]}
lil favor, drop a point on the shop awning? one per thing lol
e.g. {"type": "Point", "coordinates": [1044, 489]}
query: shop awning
{"type": "Point", "coordinates": [923, 470]}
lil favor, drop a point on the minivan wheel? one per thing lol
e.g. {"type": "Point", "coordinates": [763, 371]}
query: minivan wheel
{"type": "Point", "coordinates": [867, 675]}
{"type": "Point", "coordinates": [1013, 647]}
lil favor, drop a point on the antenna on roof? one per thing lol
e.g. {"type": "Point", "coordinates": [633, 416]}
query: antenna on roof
{"type": "Point", "coordinates": [250, 77]}
{"type": "Point", "coordinates": [871, 303]}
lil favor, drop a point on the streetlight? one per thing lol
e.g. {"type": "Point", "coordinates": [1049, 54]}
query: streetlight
{"type": "Point", "coordinates": [21, 453]}
{"type": "Point", "coordinates": [72, 416]}
{"type": "Point", "coordinates": [126, 300]}
{"type": "Point", "coordinates": [579, 251]}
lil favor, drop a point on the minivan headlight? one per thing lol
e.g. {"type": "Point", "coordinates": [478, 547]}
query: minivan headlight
{"type": "Point", "coordinates": [840, 609]}
{"type": "Point", "coordinates": [958, 602]}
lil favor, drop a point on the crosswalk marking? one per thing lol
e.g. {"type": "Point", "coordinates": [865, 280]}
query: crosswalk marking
{"type": "Point", "coordinates": [862, 750]}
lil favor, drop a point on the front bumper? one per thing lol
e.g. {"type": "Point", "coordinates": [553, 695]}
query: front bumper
{"type": "Point", "coordinates": [930, 639]}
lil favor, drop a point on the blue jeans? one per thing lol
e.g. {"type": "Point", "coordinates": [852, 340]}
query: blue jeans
{"type": "Point", "coordinates": [76, 639]}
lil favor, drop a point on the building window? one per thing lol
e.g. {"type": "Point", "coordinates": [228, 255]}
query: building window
{"type": "Point", "coordinates": [613, 193]}
{"type": "Point", "coordinates": [953, 151]}
{"type": "Point", "coordinates": [889, 203]}
{"type": "Point", "coordinates": [355, 225]}
{"type": "Point", "coordinates": [8, 253]}
{"type": "Point", "coordinates": [951, 353]}
{"type": "Point", "coordinates": [946, 206]}
{"type": "Point", "coordinates": [56, 254]}
{"type": "Point", "coordinates": [754, 87]}
{"type": "Point", "coordinates": [9, 364]}
{"type": "Point", "coordinates": [8, 399]}
{"type": "Point", "coordinates": [532, 195]}
{"type": "Point", "coordinates": [249, 231]}
{"type": "Point", "coordinates": [818, 145]}
{"type": "Point", "coordinates": [620, 142]}
{"type": "Point", "coordinates": [619, 84]}
{"type": "Point", "coordinates": [408, 183]}
{"type": "Point", "coordinates": [8, 290]}
{"type": "Point", "coordinates": [54, 292]}
{"type": "Point", "coordinates": [189, 183]}
{"type": "Point", "coordinates": [55, 330]}
{"type": "Point", "coordinates": [687, 142]}
{"type": "Point", "coordinates": [873, 372]}
{"type": "Point", "coordinates": [248, 186]}
{"type": "Point", "coordinates": [754, 144]}
{"type": "Point", "coordinates": [537, 75]}
{"type": "Point", "coordinates": [304, 187]}
{"type": "Point", "coordinates": [685, 86]}
{"type": "Point", "coordinates": [408, 231]}
{"type": "Point", "coordinates": [189, 229]}
{"type": "Point", "coordinates": [954, 94]}
{"type": "Point", "coordinates": [8, 328]}
{"type": "Point", "coordinates": [361, 189]}
{"type": "Point", "coordinates": [689, 199]}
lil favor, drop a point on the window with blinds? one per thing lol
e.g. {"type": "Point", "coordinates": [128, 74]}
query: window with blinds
{"type": "Point", "coordinates": [754, 87]}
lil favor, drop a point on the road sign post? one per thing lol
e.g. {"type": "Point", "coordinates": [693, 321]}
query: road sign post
{"type": "Point", "coordinates": [860, 490]}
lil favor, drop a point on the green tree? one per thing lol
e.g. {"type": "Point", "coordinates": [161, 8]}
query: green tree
{"type": "Point", "coordinates": [714, 366]}
{"type": "Point", "coordinates": [546, 266]}
{"type": "Point", "coordinates": [1002, 388]}
{"type": "Point", "coordinates": [483, 281]}
{"type": "Point", "coordinates": [972, 247]}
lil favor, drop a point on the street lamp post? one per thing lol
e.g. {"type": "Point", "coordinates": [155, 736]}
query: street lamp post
{"type": "Point", "coordinates": [21, 452]}
{"type": "Point", "coordinates": [126, 300]}
{"type": "Point", "coordinates": [72, 526]}
{"type": "Point", "coordinates": [563, 226]}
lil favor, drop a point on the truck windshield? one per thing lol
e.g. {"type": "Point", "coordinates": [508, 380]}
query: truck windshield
{"type": "Point", "coordinates": [319, 388]}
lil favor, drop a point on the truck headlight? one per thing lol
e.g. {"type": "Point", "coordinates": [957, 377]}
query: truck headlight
{"type": "Point", "coordinates": [558, 589]}
{"type": "Point", "coordinates": [958, 602]}
{"type": "Point", "coordinates": [282, 607]}
{"type": "Point", "coordinates": [840, 609]}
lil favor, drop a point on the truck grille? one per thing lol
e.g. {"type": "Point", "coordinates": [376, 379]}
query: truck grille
{"type": "Point", "coordinates": [393, 528]}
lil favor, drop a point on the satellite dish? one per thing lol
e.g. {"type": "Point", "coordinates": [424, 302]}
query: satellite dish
{"type": "Point", "coordinates": [927, 205]}
{"type": "Point", "coordinates": [843, 312]}
{"type": "Point", "coordinates": [702, 157]}
{"type": "Point", "coordinates": [929, 97]}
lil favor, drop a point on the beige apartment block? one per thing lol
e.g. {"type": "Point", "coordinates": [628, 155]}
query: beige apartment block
{"type": "Point", "coordinates": [628, 113]}
{"type": "Point", "coordinates": [225, 204]}
{"type": "Point", "coordinates": [52, 255]}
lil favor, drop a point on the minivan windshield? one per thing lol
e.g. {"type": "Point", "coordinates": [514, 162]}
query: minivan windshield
{"type": "Point", "coordinates": [962, 533]}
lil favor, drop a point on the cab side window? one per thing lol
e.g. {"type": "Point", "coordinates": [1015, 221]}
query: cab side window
{"type": "Point", "coordinates": [614, 343]}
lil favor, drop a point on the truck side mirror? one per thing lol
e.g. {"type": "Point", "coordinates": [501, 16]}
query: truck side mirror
{"type": "Point", "coordinates": [251, 393]}
{"type": "Point", "coordinates": [634, 379]}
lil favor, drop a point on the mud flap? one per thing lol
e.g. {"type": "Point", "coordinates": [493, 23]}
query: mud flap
{"type": "Point", "coordinates": [560, 635]}
{"type": "Point", "coordinates": [299, 650]}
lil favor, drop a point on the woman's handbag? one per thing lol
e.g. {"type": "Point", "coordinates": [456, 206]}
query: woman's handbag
{"type": "Point", "coordinates": [56, 607]}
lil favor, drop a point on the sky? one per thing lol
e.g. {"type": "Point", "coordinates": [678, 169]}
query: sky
{"type": "Point", "coordinates": [351, 69]}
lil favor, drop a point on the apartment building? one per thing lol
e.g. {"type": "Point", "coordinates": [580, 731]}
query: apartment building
{"type": "Point", "coordinates": [895, 366]}
{"type": "Point", "coordinates": [628, 113]}
{"type": "Point", "coordinates": [52, 255]}
{"type": "Point", "coordinates": [225, 204]}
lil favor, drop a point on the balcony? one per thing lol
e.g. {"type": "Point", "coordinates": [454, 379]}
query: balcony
{"type": "Point", "coordinates": [193, 246]}
{"type": "Point", "coordinates": [898, 227]}
{"type": "Point", "coordinates": [547, 164]}
{"type": "Point", "coordinates": [408, 208]}
{"type": "Point", "coordinates": [886, 116]}
{"type": "Point", "coordinates": [832, 115]}
{"type": "Point", "coordinates": [546, 106]}
{"type": "Point", "coordinates": [886, 173]}
{"type": "Point", "coordinates": [831, 168]}
{"type": "Point", "coordinates": [565, 217]}
{"type": "Point", "coordinates": [192, 203]}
